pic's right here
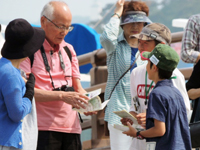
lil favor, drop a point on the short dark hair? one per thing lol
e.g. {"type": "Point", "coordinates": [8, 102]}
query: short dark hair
{"type": "Point", "coordinates": [162, 74]}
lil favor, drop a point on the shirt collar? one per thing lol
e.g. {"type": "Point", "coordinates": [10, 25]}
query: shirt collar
{"type": "Point", "coordinates": [121, 37]}
{"type": "Point", "coordinates": [48, 47]}
{"type": "Point", "coordinates": [166, 82]}
{"type": "Point", "coordinates": [5, 60]}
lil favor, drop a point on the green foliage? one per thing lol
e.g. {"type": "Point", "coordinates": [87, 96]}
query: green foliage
{"type": "Point", "coordinates": [174, 9]}
{"type": "Point", "coordinates": [163, 12]}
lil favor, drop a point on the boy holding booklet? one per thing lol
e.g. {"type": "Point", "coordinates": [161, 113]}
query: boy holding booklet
{"type": "Point", "coordinates": [141, 86]}
{"type": "Point", "coordinates": [166, 118]}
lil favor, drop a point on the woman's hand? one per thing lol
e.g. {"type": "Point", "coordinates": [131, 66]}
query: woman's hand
{"type": "Point", "coordinates": [119, 7]}
{"type": "Point", "coordinates": [124, 121]}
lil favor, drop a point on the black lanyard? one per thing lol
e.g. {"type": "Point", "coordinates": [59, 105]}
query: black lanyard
{"type": "Point", "coordinates": [47, 67]}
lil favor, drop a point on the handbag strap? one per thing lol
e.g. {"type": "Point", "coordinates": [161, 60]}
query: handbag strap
{"type": "Point", "coordinates": [123, 76]}
{"type": "Point", "coordinates": [196, 101]}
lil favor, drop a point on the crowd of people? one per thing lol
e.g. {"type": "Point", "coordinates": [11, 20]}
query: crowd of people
{"type": "Point", "coordinates": [40, 82]}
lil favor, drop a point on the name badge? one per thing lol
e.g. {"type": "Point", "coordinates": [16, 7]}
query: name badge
{"type": "Point", "coordinates": [151, 145]}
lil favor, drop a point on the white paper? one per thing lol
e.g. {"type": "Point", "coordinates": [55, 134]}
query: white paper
{"type": "Point", "coordinates": [121, 127]}
{"type": "Point", "coordinates": [94, 104]}
{"type": "Point", "coordinates": [125, 128]}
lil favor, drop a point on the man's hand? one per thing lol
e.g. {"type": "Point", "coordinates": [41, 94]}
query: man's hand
{"type": "Point", "coordinates": [75, 99]}
{"type": "Point", "coordinates": [124, 121]}
{"type": "Point", "coordinates": [141, 118]}
{"type": "Point", "coordinates": [119, 7]}
{"type": "Point", "coordinates": [131, 132]}
{"type": "Point", "coordinates": [90, 113]}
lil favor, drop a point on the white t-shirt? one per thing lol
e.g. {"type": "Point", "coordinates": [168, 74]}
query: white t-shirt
{"type": "Point", "coordinates": [138, 90]}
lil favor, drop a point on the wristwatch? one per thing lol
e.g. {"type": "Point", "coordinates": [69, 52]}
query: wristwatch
{"type": "Point", "coordinates": [138, 136]}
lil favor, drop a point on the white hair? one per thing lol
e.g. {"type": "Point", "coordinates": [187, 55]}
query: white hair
{"type": "Point", "coordinates": [48, 9]}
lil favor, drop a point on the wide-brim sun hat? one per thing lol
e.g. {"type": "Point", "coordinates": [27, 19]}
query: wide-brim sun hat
{"type": "Point", "coordinates": [21, 39]}
{"type": "Point", "coordinates": [134, 16]}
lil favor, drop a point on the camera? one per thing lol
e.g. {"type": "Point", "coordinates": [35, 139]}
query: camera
{"type": "Point", "coordinates": [64, 88]}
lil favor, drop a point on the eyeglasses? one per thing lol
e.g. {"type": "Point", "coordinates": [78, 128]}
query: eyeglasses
{"type": "Point", "coordinates": [63, 28]}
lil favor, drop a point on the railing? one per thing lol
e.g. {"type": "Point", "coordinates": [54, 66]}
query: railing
{"type": "Point", "coordinates": [98, 60]}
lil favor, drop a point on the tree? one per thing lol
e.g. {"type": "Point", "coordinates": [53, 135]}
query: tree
{"type": "Point", "coordinates": [163, 12]}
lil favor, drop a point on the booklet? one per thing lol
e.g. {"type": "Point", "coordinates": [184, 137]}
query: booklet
{"type": "Point", "coordinates": [121, 127]}
{"type": "Point", "coordinates": [94, 104]}
{"type": "Point", "coordinates": [125, 114]}
{"type": "Point", "coordinates": [126, 128]}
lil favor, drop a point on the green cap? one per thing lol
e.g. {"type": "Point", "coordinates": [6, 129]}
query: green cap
{"type": "Point", "coordinates": [163, 56]}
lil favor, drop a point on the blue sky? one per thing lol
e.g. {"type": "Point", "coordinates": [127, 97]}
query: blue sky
{"type": "Point", "coordinates": [30, 9]}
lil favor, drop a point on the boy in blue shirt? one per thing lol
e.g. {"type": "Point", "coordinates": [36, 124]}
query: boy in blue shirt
{"type": "Point", "coordinates": [166, 121]}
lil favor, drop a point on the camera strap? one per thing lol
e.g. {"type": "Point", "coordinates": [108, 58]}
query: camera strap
{"type": "Point", "coordinates": [47, 67]}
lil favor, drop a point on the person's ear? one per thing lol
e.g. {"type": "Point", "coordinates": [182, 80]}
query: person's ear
{"type": "Point", "coordinates": [42, 21]}
{"type": "Point", "coordinates": [155, 68]}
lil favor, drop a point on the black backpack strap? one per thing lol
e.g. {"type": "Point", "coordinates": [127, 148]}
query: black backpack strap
{"type": "Point", "coordinates": [31, 59]}
{"type": "Point", "coordinates": [68, 53]}
{"type": "Point", "coordinates": [66, 50]}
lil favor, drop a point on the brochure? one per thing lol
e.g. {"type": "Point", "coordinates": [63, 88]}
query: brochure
{"type": "Point", "coordinates": [94, 104]}
{"type": "Point", "coordinates": [125, 114]}
{"type": "Point", "coordinates": [126, 128]}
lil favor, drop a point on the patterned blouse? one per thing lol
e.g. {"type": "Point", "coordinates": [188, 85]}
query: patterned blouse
{"type": "Point", "coordinates": [118, 61]}
{"type": "Point", "coordinates": [191, 40]}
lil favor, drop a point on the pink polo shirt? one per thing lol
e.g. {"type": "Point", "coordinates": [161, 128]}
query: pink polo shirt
{"type": "Point", "coordinates": [56, 115]}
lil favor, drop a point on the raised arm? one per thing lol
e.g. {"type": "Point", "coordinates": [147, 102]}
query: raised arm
{"type": "Point", "coordinates": [111, 30]}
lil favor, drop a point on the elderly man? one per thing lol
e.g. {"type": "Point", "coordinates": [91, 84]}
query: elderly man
{"type": "Point", "coordinates": [57, 75]}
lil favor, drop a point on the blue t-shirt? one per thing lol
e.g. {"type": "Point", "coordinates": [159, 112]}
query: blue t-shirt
{"type": "Point", "coordinates": [133, 52]}
{"type": "Point", "coordinates": [166, 104]}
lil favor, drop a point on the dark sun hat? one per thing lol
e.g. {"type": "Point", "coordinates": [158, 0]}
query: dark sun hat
{"type": "Point", "coordinates": [21, 39]}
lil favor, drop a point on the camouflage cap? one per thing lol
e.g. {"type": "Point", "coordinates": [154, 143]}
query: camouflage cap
{"type": "Point", "coordinates": [155, 31]}
{"type": "Point", "coordinates": [163, 56]}
{"type": "Point", "coordinates": [134, 16]}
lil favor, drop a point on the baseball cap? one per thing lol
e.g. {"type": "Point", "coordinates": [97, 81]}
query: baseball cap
{"type": "Point", "coordinates": [155, 31]}
{"type": "Point", "coordinates": [163, 56]}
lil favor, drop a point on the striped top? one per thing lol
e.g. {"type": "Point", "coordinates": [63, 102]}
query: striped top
{"type": "Point", "coordinates": [118, 61]}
